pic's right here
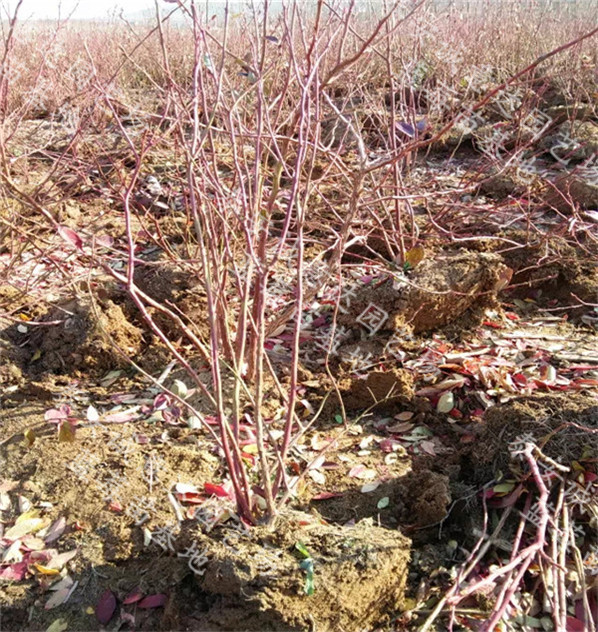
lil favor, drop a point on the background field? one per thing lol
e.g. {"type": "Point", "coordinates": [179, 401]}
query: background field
{"type": "Point", "coordinates": [298, 309]}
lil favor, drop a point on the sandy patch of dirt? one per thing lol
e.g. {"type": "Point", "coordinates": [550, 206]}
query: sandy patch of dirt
{"type": "Point", "coordinates": [361, 569]}
{"type": "Point", "coordinates": [437, 292]}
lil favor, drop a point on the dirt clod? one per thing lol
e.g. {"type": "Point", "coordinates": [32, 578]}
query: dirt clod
{"type": "Point", "coordinates": [361, 570]}
{"type": "Point", "coordinates": [77, 337]}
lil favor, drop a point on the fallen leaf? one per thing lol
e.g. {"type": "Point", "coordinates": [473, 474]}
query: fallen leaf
{"type": "Point", "coordinates": [44, 570]}
{"type": "Point", "coordinates": [215, 490]}
{"type": "Point", "coordinates": [370, 487]}
{"type": "Point", "coordinates": [30, 437]}
{"type": "Point", "coordinates": [185, 488]}
{"type": "Point", "coordinates": [153, 601]}
{"type": "Point", "coordinates": [317, 476]}
{"type": "Point", "coordinates": [12, 553]}
{"type": "Point", "coordinates": [105, 607]}
{"type": "Point", "coordinates": [383, 502]}
{"type": "Point", "coordinates": [23, 527]}
{"type": "Point", "coordinates": [179, 388]}
{"type": "Point", "coordinates": [66, 432]}
{"type": "Point", "coordinates": [66, 582]}
{"type": "Point", "coordinates": [326, 495]}
{"type": "Point", "coordinates": [403, 426]}
{"type": "Point", "coordinates": [57, 599]}
{"type": "Point", "coordinates": [56, 530]}
{"type": "Point", "coordinates": [133, 597]}
{"type": "Point", "coordinates": [360, 471]}
{"type": "Point", "coordinates": [446, 402]}
{"type": "Point", "coordinates": [54, 415]}
{"type": "Point", "coordinates": [575, 625]}
{"type": "Point", "coordinates": [61, 559]}
{"type": "Point", "coordinates": [14, 572]}
{"type": "Point", "coordinates": [70, 236]}
{"type": "Point", "coordinates": [428, 447]}
{"type": "Point", "coordinates": [5, 503]}
{"type": "Point", "coordinates": [59, 625]}
{"type": "Point", "coordinates": [122, 416]}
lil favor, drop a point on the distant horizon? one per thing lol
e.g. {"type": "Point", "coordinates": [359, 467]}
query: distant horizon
{"type": "Point", "coordinates": [98, 9]}
{"type": "Point", "coordinates": [84, 10]}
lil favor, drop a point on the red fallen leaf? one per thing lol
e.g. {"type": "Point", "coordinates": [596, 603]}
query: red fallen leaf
{"type": "Point", "coordinates": [161, 401]}
{"type": "Point", "coordinates": [456, 368]}
{"type": "Point", "coordinates": [512, 316]}
{"type": "Point", "coordinates": [14, 572]}
{"type": "Point", "coordinates": [491, 323]}
{"type": "Point", "coordinates": [42, 557]}
{"type": "Point", "coordinates": [191, 498]}
{"type": "Point", "coordinates": [520, 379]}
{"type": "Point", "coordinates": [56, 415]}
{"type": "Point", "coordinates": [121, 417]}
{"type": "Point", "coordinates": [589, 477]}
{"type": "Point", "coordinates": [70, 236]}
{"type": "Point", "coordinates": [389, 445]}
{"type": "Point", "coordinates": [249, 458]}
{"type": "Point", "coordinates": [326, 495]}
{"type": "Point", "coordinates": [153, 601]}
{"type": "Point", "coordinates": [133, 597]}
{"type": "Point", "coordinates": [115, 506]}
{"type": "Point", "coordinates": [106, 607]}
{"type": "Point", "coordinates": [456, 413]}
{"type": "Point", "coordinates": [575, 625]}
{"type": "Point", "coordinates": [585, 382]}
{"type": "Point", "coordinates": [215, 490]}
{"type": "Point", "coordinates": [295, 467]}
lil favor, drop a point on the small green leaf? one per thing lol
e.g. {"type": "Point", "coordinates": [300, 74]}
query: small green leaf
{"type": "Point", "coordinates": [503, 488]}
{"type": "Point", "coordinates": [58, 625]}
{"type": "Point", "coordinates": [301, 548]}
{"type": "Point", "coordinates": [309, 587]}
{"type": "Point", "coordinates": [307, 565]}
{"type": "Point", "coordinates": [338, 419]}
{"type": "Point", "coordinates": [383, 502]}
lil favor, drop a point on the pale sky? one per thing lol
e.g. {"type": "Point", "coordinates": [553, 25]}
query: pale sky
{"type": "Point", "coordinates": [40, 9]}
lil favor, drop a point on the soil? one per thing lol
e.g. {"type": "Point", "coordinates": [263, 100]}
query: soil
{"type": "Point", "coordinates": [388, 478]}
{"type": "Point", "coordinates": [438, 291]}
{"type": "Point", "coordinates": [561, 426]}
{"type": "Point", "coordinates": [362, 569]}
